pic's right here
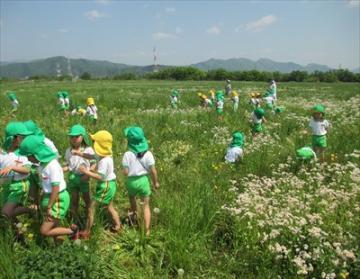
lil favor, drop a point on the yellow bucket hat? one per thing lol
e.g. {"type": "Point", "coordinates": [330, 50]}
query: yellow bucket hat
{"type": "Point", "coordinates": [90, 101]}
{"type": "Point", "coordinates": [102, 143]}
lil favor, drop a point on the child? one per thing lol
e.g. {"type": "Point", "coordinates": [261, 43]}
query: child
{"type": "Point", "coordinates": [137, 163]}
{"type": "Point", "coordinates": [257, 117]}
{"type": "Point", "coordinates": [61, 101]}
{"type": "Point", "coordinates": [79, 142]}
{"type": "Point", "coordinates": [235, 100]}
{"type": "Point", "coordinates": [91, 109]}
{"type": "Point", "coordinates": [78, 110]}
{"type": "Point", "coordinates": [56, 200]}
{"type": "Point", "coordinates": [174, 98]}
{"type": "Point", "coordinates": [305, 154]}
{"type": "Point", "coordinates": [319, 127]}
{"type": "Point", "coordinates": [220, 103]}
{"type": "Point", "coordinates": [14, 101]}
{"type": "Point", "coordinates": [14, 169]}
{"type": "Point", "coordinates": [254, 100]}
{"type": "Point", "coordinates": [273, 89]}
{"type": "Point", "coordinates": [106, 185]}
{"type": "Point", "coordinates": [212, 95]}
{"type": "Point", "coordinates": [228, 87]}
{"type": "Point", "coordinates": [235, 152]}
{"type": "Point", "coordinates": [207, 102]}
{"type": "Point", "coordinates": [66, 100]}
{"type": "Point", "coordinates": [269, 100]}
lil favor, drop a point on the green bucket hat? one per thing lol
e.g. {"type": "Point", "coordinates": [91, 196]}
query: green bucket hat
{"type": "Point", "coordinates": [78, 130]}
{"type": "Point", "coordinates": [13, 129]}
{"type": "Point", "coordinates": [137, 142]}
{"type": "Point", "coordinates": [305, 153]}
{"type": "Point", "coordinates": [238, 139]}
{"type": "Point", "coordinates": [219, 95]}
{"type": "Point", "coordinates": [65, 94]}
{"type": "Point", "coordinates": [319, 108]}
{"type": "Point", "coordinates": [259, 112]}
{"type": "Point", "coordinates": [31, 126]}
{"type": "Point", "coordinates": [175, 93]}
{"type": "Point", "coordinates": [59, 94]}
{"type": "Point", "coordinates": [12, 96]}
{"type": "Point", "coordinates": [34, 145]}
{"type": "Point", "coordinates": [279, 109]}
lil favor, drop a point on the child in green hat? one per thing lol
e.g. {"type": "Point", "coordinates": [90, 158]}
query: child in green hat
{"type": "Point", "coordinates": [61, 101]}
{"type": "Point", "coordinates": [56, 199]}
{"type": "Point", "coordinates": [137, 163]}
{"type": "Point", "coordinates": [219, 103]}
{"type": "Point", "coordinates": [14, 101]}
{"type": "Point", "coordinates": [14, 172]}
{"type": "Point", "coordinates": [77, 181]}
{"type": "Point", "coordinates": [257, 118]}
{"type": "Point", "coordinates": [106, 177]}
{"type": "Point", "coordinates": [305, 154]}
{"type": "Point", "coordinates": [319, 127]}
{"type": "Point", "coordinates": [174, 98]}
{"type": "Point", "coordinates": [235, 152]}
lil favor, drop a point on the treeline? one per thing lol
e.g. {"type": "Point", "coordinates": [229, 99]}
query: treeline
{"type": "Point", "coordinates": [190, 73]}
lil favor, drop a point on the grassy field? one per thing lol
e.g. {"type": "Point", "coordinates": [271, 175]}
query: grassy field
{"type": "Point", "coordinates": [266, 217]}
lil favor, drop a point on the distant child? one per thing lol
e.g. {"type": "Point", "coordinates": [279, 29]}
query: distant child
{"type": "Point", "coordinates": [106, 180]}
{"type": "Point", "coordinates": [174, 98]}
{"type": "Point", "coordinates": [269, 100]}
{"type": "Point", "coordinates": [319, 127]}
{"type": "Point", "coordinates": [77, 181]}
{"type": "Point", "coordinates": [78, 110]}
{"type": "Point", "coordinates": [254, 100]}
{"type": "Point", "coordinates": [56, 200]}
{"type": "Point", "coordinates": [235, 100]}
{"type": "Point", "coordinates": [235, 152]}
{"type": "Point", "coordinates": [220, 103]}
{"type": "Point", "coordinates": [14, 101]}
{"type": "Point", "coordinates": [305, 154]}
{"type": "Point", "coordinates": [91, 109]}
{"type": "Point", "coordinates": [228, 87]}
{"type": "Point", "coordinates": [14, 172]}
{"type": "Point", "coordinates": [137, 163]}
{"type": "Point", "coordinates": [257, 118]}
{"type": "Point", "coordinates": [273, 89]}
{"type": "Point", "coordinates": [66, 100]}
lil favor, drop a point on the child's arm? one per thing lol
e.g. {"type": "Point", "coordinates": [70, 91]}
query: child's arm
{"type": "Point", "coordinates": [264, 119]}
{"type": "Point", "coordinates": [18, 169]}
{"type": "Point", "coordinates": [125, 171]}
{"type": "Point", "coordinates": [65, 168]}
{"type": "Point", "coordinates": [154, 177]}
{"type": "Point", "coordinates": [89, 173]}
{"type": "Point", "coordinates": [82, 154]}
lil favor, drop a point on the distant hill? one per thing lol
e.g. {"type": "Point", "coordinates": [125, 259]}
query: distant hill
{"type": "Point", "coordinates": [243, 64]}
{"type": "Point", "coordinates": [61, 65]}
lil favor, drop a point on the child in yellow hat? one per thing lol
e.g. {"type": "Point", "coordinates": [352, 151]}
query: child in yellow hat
{"type": "Point", "coordinates": [91, 109]}
{"type": "Point", "coordinates": [105, 175]}
{"type": "Point", "coordinates": [235, 100]}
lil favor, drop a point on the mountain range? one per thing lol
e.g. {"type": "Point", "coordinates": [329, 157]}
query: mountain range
{"type": "Point", "coordinates": [60, 65]}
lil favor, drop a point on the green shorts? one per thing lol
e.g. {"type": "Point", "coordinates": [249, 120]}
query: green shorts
{"type": "Point", "coordinates": [219, 111]}
{"type": "Point", "coordinates": [138, 186]}
{"type": "Point", "coordinates": [34, 178]}
{"type": "Point", "coordinates": [62, 107]}
{"type": "Point", "coordinates": [75, 184]}
{"type": "Point", "coordinates": [319, 141]}
{"type": "Point", "coordinates": [16, 192]}
{"type": "Point", "coordinates": [257, 128]}
{"type": "Point", "coordinates": [269, 106]}
{"type": "Point", "coordinates": [105, 191]}
{"type": "Point", "coordinates": [60, 206]}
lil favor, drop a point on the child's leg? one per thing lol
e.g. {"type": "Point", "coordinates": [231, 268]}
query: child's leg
{"type": "Point", "coordinates": [90, 217]}
{"type": "Point", "coordinates": [11, 210]}
{"type": "Point", "coordinates": [114, 216]}
{"type": "Point", "coordinates": [147, 214]}
{"type": "Point", "coordinates": [87, 200]}
{"type": "Point", "coordinates": [75, 204]}
{"type": "Point", "coordinates": [133, 206]}
{"type": "Point", "coordinates": [49, 228]}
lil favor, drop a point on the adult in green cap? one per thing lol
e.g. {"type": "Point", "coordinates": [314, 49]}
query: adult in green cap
{"type": "Point", "coordinates": [234, 151]}
{"type": "Point", "coordinates": [56, 199]}
{"type": "Point", "coordinates": [15, 132]}
{"type": "Point", "coordinates": [319, 127]}
{"type": "Point", "coordinates": [257, 118]}
{"type": "Point", "coordinates": [137, 163]}
{"type": "Point", "coordinates": [80, 144]}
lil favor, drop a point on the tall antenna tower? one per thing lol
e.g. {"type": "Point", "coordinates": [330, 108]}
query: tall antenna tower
{"type": "Point", "coordinates": [155, 60]}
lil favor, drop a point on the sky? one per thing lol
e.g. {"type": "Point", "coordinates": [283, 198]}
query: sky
{"type": "Point", "coordinates": [182, 32]}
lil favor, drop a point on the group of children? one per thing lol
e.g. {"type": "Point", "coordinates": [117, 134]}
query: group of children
{"type": "Point", "coordinates": [29, 164]}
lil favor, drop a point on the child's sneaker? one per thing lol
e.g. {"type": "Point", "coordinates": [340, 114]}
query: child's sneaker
{"type": "Point", "coordinates": [75, 232]}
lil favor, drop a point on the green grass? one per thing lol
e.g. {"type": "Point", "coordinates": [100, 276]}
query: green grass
{"type": "Point", "coordinates": [192, 232]}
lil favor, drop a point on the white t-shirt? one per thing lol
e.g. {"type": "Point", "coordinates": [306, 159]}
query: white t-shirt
{"type": "Point", "coordinates": [235, 99]}
{"type": "Point", "coordinates": [92, 110]}
{"type": "Point", "coordinates": [106, 168]}
{"type": "Point", "coordinates": [67, 101]}
{"type": "Point", "coordinates": [254, 119]}
{"type": "Point", "coordinates": [233, 154]}
{"type": "Point", "coordinates": [173, 99]}
{"type": "Point", "coordinates": [75, 161]}
{"type": "Point", "coordinates": [220, 104]}
{"type": "Point", "coordinates": [61, 101]}
{"type": "Point", "coordinates": [11, 159]}
{"type": "Point", "coordinates": [52, 173]}
{"type": "Point", "coordinates": [273, 87]}
{"type": "Point", "coordinates": [269, 99]}
{"type": "Point", "coordinates": [14, 103]}
{"type": "Point", "coordinates": [49, 143]}
{"type": "Point", "coordinates": [319, 128]}
{"type": "Point", "coordinates": [138, 166]}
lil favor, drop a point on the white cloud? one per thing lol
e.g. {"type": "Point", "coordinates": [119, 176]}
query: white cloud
{"type": "Point", "coordinates": [170, 10]}
{"type": "Point", "coordinates": [103, 2]}
{"type": "Point", "coordinates": [178, 30]}
{"type": "Point", "coordinates": [161, 35]}
{"type": "Point", "coordinates": [214, 30]}
{"type": "Point", "coordinates": [62, 30]}
{"type": "Point", "coordinates": [260, 24]}
{"type": "Point", "coordinates": [94, 14]}
{"type": "Point", "coordinates": [353, 3]}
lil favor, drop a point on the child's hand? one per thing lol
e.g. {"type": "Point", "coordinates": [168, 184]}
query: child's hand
{"type": "Point", "coordinates": [48, 214]}
{"type": "Point", "coordinates": [157, 185]}
{"type": "Point", "coordinates": [5, 171]}
{"type": "Point", "coordinates": [82, 169]}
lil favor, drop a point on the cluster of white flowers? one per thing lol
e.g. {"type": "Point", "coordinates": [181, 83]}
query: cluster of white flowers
{"type": "Point", "coordinates": [172, 150]}
{"type": "Point", "coordinates": [221, 135]}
